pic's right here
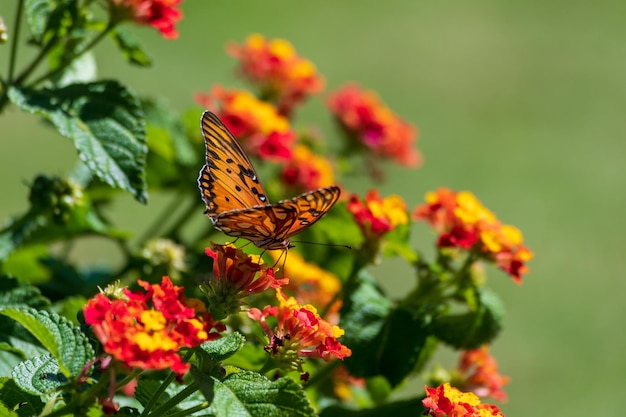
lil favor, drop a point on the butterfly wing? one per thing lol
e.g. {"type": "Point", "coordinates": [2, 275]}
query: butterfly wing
{"type": "Point", "coordinates": [272, 225]}
{"type": "Point", "coordinates": [310, 207]}
{"type": "Point", "coordinates": [228, 180]}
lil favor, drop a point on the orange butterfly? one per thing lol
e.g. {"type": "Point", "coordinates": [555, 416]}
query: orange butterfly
{"type": "Point", "coordinates": [235, 199]}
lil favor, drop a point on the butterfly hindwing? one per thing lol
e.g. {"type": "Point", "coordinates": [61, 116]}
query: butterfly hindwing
{"type": "Point", "coordinates": [228, 180]}
{"type": "Point", "coordinates": [310, 207]}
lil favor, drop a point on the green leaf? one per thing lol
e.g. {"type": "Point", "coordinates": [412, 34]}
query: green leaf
{"type": "Point", "coordinates": [384, 340]}
{"type": "Point", "coordinates": [39, 375]}
{"type": "Point", "coordinates": [130, 48]}
{"type": "Point", "coordinates": [147, 388]}
{"type": "Point", "coordinates": [474, 328]}
{"type": "Point", "coordinates": [105, 122]}
{"type": "Point", "coordinates": [37, 15]}
{"type": "Point", "coordinates": [248, 394]}
{"type": "Point", "coordinates": [69, 347]}
{"type": "Point", "coordinates": [160, 115]}
{"type": "Point", "coordinates": [363, 317]}
{"type": "Point", "coordinates": [408, 408]}
{"type": "Point", "coordinates": [16, 293]}
{"type": "Point", "coordinates": [403, 345]}
{"type": "Point", "coordinates": [224, 347]}
{"type": "Point", "coordinates": [14, 398]}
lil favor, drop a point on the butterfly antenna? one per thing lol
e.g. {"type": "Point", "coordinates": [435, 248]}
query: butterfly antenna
{"type": "Point", "coordinates": [323, 244]}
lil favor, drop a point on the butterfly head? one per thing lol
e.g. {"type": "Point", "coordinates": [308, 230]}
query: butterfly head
{"type": "Point", "coordinates": [274, 243]}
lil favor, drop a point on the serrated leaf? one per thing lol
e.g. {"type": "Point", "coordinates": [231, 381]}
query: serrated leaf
{"type": "Point", "coordinates": [14, 398]}
{"type": "Point", "coordinates": [105, 122]}
{"type": "Point", "coordinates": [39, 375]}
{"type": "Point", "coordinates": [130, 47]}
{"type": "Point", "coordinates": [248, 394]}
{"type": "Point", "coordinates": [17, 293]}
{"type": "Point", "coordinates": [224, 347]}
{"type": "Point", "coordinates": [58, 335]}
{"type": "Point", "coordinates": [474, 328]}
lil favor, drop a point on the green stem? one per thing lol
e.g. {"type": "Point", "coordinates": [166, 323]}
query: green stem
{"type": "Point", "coordinates": [33, 65]}
{"type": "Point", "coordinates": [159, 392]}
{"type": "Point", "coordinates": [16, 35]}
{"type": "Point", "coordinates": [175, 400]}
{"type": "Point", "coordinates": [63, 66]}
{"type": "Point", "coordinates": [187, 214]}
{"type": "Point", "coordinates": [156, 225]}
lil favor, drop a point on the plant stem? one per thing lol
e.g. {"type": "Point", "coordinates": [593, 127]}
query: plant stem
{"type": "Point", "coordinates": [160, 220]}
{"type": "Point", "coordinates": [16, 35]}
{"type": "Point", "coordinates": [62, 67]}
{"type": "Point", "coordinates": [33, 65]}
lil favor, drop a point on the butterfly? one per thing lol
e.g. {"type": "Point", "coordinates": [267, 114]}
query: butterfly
{"type": "Point", "coordinates": [236, 201]}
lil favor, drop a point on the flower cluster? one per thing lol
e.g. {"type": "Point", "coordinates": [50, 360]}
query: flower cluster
{"type": "Point", "coordinates": [147, 329]}
{"type": "Point", "coordinates": [464, 222]}
{"type": "Point", "coordinates": [284, 77]}
{"type": "Point", "coordinates": [307, 171]}
{"type": "Point", "coordinates": [256, 124]}
{"type": "Point", "coordinates": [447, 401]}
{"type": "Point", "coordinates": [376, 215]}
{"type": "Point", "coordinates": [236, 275]}
{"type": "Point", "coordinates": [299, 332]}
{"type": "Point", "coordinates": [374, 125]}
{"type": "Point", "coordinates": [162, 15]}
{"type": "Point", "coordinates": [481, 375]}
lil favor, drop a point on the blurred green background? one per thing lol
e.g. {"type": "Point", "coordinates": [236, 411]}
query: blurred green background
{"type": "Point", "coordinates": [521, 103]}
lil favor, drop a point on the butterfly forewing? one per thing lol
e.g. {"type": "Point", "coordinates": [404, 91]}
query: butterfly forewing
{"type": "Point", "coordinates": [228, 180]}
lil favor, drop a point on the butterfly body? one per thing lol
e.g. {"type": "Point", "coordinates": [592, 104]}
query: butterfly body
{"type": "Point", "coordinates": [236, 201]}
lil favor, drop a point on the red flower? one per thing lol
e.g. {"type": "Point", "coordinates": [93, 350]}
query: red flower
{"type": "Point", "coordinates": [374, 125]}
{"type": "Point", "coordinates": [299, 332]}
{"type": "Point", "coordinates": [484, 379]}
{"type": "Point", "coordinates": [284, 77]}
{"type": "Point", "coordinates": [463, 222]}
{"type": "Point", "coordinates": [148, 329]}
{"type": "Point", "coordinates": [447, 401]}
{"type": "Point", "coordinates": [160, 14]}
{"type": "Point", "coordinates": [377, 216]}
{"type": "Point", "coordinates": [256, 124]}
{"type": "Point", "coordinates": [236, 275]}
{"type": "Point", "coordinates": [307, 171]}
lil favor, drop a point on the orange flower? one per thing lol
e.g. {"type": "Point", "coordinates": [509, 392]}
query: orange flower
{"type": "Point", "coordinates": [256, 124]}
{"type": "Point", "coordinates": [147, 329]}
{"type": "Point", "coordinates": [236, 275]}
{"type": "Point", "coordinates": [377, 216]}
{"type": "Point", "coordinates": [374, 125]}
{"type": "Point", "coordinates": [484, 381]}
{"type": "Point", "coordinates": [307, 171]}
{"type": "Point", "coordinates": [299, 332]}
{"type": "Point", "coordinates": [464, 222]}
{"type": "Point", "coordinates": [274, 66]}
{"type": "Point", "coordinates": [447, 401]}
{"type": "Point", "coordinates": [160, 14]}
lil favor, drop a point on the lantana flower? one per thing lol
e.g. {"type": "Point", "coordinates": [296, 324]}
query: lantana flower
{"type": "Point", "coordinates": [236, 275]}
{"type": "Point", "coordinates": [284, 77]}
{"type": "Point", "coordinates": [256, 124]}
{"type": "Point", "coordinates": [307, 171]}
{"type": "Point", "coordinates": [162, 15]}
{"type": "Point", "coordinates": [372, 124]}
{"type": "Point", "coordinates": [376, 215]}
{"type": "Point", "coordinates": [463, 222]}
{"type": "Point", "coordinates": [480, 374]}
{"type": "Point", "coordinates": [299, 333]}
{"type": "Point", "coordinates": [147, 329]}
{"type": "Point", "coordinates": [447, 401]}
